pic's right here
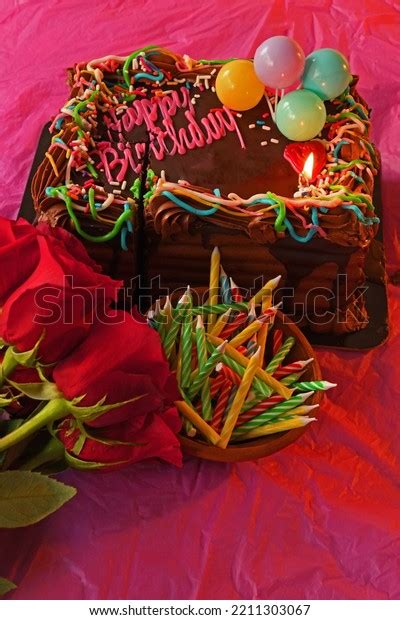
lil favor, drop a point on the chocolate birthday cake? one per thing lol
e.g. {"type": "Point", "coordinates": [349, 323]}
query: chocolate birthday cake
{"type": "Point", "coordinates": [150, 168]}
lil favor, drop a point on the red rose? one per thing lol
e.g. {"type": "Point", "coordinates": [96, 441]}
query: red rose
{"type": "Point", "coordinates": [117, 362]}
{"type": "Point", "coordinates": [48, 284]}
{"type": "Point", "coordinates": [146, 436]}
{"type": "Point", "coordinates": [122, 361]}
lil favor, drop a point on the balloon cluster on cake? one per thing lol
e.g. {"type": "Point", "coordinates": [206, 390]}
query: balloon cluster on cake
{"type": "Point", "coordinates": [279, 63]}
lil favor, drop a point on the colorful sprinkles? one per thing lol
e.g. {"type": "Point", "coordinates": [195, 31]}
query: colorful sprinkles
{"type": "Point", "coordinates": [112, 85]}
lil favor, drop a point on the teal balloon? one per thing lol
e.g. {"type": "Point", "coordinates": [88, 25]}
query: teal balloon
{"type": "Point", "coordinates": [326, 73]}
{"type": "Point", "coordinates": [300, 115]}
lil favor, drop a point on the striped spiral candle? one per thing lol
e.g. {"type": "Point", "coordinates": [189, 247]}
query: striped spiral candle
{"type": "Point", "coordinates": [282, 371]}
{"type": "Point", "coordinates": [252, 314]}
{"type": "Point", "coordinates": [220, 308]}
{"type": "Point", "coordinates": [237, 322]}
{"type": "Point", "coordinates": [268, 379]}
{"type": "Point", "coordinates": [165, 317]}
{"type": "Point", "coordinates": [213, 290]}
{"type": "Point", "coordinates": [206, 371]}
{"type": "Point", "coordinates": [230, 374]}
{"type": "Point", "coordinates": [253, 345]}
{"type": "Point", "coordinates": [259, 408]}
{"type": "Point", "coordinates": [276, 427]}
{"type": "Point", "coordinates": [157, 309]}
{"type": "Point", "coordinates": [290, 379]}
{"type": "Point", "coordinates": [235, 291]}
{"type": "Point", "coordinates": [221, 405]}
{"type": "Point", "coordinates": [205, 399]}
{"type": "Point", "coordinates": [313, 385]}
{"type": "Point", "coordinates": [216, 384]}
{"type": "Point", "coordinates": [246, 333]}
{"type": "Point", "coordinates": [201, 345]}
{"type": "Point", "coordinates": [191, 414]}
{"type": "Point", "coordinates": [239, 369]}
{"type": "Point", "coordinates": [171, 334]}
{"type": "Point", "coordinates": [278, 410]}
{"type": "Point", "coordinates": [277, 339]}
{"type": "Point", "coordinates": [220, 324]}
{"type": "Point", "coordinates": [231, 399]}
{"type": "Point", "coordinates": [226, 293]}
{"type": "Point", "coordinates": [281, 354]}
{"type": "Point", "coordinates": [265, 290]}
{"type": "Point", "coordinates": [186, 350]}
{"type": "Point", "coordinates": [240, 397]}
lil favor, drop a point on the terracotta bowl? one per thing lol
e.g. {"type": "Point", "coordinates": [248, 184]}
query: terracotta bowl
{"type": "Point", "coordinates": [264, 446]}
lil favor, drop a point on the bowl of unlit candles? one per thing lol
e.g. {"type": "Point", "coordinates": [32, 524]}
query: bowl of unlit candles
{"type": "Point", "coordinates": [248, 378]}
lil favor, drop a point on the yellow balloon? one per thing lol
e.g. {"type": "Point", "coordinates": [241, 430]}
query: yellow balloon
{"type": "Point", "coordinates": [237, 85]}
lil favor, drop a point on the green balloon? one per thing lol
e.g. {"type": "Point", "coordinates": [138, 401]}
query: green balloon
{"type": "Point", "coordinates": [326, 73]}
{"type": "Point", "coordinates": [300, 115]}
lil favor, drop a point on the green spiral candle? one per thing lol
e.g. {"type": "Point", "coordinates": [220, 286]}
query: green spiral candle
{"type": "Point", "coordinates": [201, 346]}
{"type": "Point", "coordinates": [170, 336]}
{"type": "Point", "coordinates": [280, 355]}
{"type": "Point", "coordinates": [303, 386]}
{"type": "Point", "coordinates": [274, 412]}
{"type": "Point", "coordinates": [258, 384]}
{"type": "Point", "coordinates": [206, 371]}
{"type": "Point", "coordinates": [186, 349]}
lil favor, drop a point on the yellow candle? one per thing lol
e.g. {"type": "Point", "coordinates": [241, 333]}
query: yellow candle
{"type": "Point", "coordinates": [239, 399]}
{"type": "Point", "coordinates": [278, 427]}
{"type": "Point", "coordinates": [220, 324]}
{"type": "Point", "coordinates": [266, 302]}
{"type": "Point", "coordinates": [265, 291]}
{"type": "Point", "coordinates": [262, 341]}
{"type": "Point", "coordinates": [167, 311]}
{"type": "Point", "coordinates": [246, 333]}
{"type": "Point", "coordinates": [214, 284]}
{"type": "Point", "coordinates": [263, 333]}
{"type": "Point", "coordinates": [273, 383]}
{"type": "Point", "coordinates": [188, 412]}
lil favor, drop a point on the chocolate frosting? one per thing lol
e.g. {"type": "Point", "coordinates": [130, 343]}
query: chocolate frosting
{"type": "Point", "coordinates": [141, 128]}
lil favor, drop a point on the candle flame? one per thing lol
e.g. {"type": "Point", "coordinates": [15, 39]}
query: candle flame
{"type": "Point", "coordinates": [309, 166]}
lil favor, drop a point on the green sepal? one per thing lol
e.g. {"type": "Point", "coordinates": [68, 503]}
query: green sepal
{"type": "Point", "coordinates": [4, 401]}
{"type": "Point", "coordinates": [38, 391]}
{"type": "Point", "coordinates": [28, 358]}
{"type": "Point", "coordinates": [8, 365]}
{"type": "Point", "coordinates": [84, 435]}
{"type": "Point", "coordinates": [87, 414]}
{"type": "Point", "coordinates": [76, 463]}
{"type": "Point", "coordinates": [40, 372]}
{"type": "Point", "coordinates": [79, 443]}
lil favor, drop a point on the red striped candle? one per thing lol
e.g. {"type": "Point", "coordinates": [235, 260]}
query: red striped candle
{"type": "Point", "coordinates": [237, 322]}
{"type": "Point", "coordinates": [216, 384]}
{"type": "Point", "coordinates": [283, 371]}
{"type": "Point", "coordinates": [221, 404]}
{"type": "Point", "coordinates": [277, 338]}
{"type": "Point", "coordinates": [259, 408]}
{"type": "Point", "coordinates": [235, 291]}
{"type": "Point", "coordinates": [230, 375]}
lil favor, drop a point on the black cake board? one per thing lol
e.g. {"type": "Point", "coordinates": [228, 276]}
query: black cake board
{"type": "Point", "coordinates": [373, 335]}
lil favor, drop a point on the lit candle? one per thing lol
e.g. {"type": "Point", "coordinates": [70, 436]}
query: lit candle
{"type": "Point", "coordinates": [308, 168]}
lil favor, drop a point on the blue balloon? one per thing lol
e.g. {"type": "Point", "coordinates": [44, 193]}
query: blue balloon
{"type": "Point", "coordinates": [326, 73]}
